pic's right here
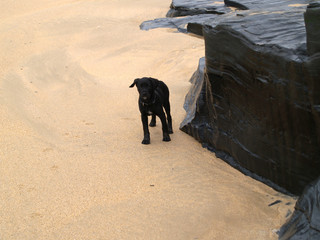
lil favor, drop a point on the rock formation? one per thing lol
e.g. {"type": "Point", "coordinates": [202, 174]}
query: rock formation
{"type": "Point", "coordinates": [304, 223]}
{"type": "Point", "coordinates": [180, 8]}
{"type": "Point", "coordinates": [255, 98]}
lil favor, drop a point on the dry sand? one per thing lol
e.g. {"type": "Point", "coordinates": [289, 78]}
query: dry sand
{"type": "Point", "coordinates": [72, 165]}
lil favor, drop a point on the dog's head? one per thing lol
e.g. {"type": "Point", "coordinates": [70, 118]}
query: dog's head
{"type": "Point", "coordinates": [146, 88]}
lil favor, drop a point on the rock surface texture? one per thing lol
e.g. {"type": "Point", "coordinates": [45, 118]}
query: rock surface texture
{"type": "Point", "coordinates": [180, 8]}
{"type": "Point", "coordinates": [255, 99]}
{"type": "Point", "coordinates": [305, 221]}
{"type": "Point", "coordinates": [262, 94]}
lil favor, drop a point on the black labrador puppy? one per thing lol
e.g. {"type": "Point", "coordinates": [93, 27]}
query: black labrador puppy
{"type": "Point", "coordinates": [153, 97]}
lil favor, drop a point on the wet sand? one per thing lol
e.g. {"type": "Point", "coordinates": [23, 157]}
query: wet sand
{"type": "Point", "coordinates": [72, 165]}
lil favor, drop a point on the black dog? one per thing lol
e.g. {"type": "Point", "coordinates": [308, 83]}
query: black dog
{"type": "Point", "coordinates": [154, 96]}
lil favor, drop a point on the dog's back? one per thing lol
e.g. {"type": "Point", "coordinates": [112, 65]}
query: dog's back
{"type": "Point", "coordinates": [162, 91]}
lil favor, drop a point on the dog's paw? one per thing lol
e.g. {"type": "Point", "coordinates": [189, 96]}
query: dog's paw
{"type": "Point", "coordinates": [145, 141]}
{"type": "Point", "coordinates": [166, 138]}
{"type": "Point", "coordinates": [152, 124]}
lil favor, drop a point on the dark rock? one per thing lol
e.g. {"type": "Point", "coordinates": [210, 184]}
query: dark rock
{"type": "Point", "coordinates": [195, 28]}
{"type": "Point", "coordinates": [180, 23]}
{"type": "Point", "coordinates": [184, 12]}
{"type": "Point", "coordinates": [255, 99]}
{"type": "Point", "coordinates": [236, 4]}
{"type": "Point", "coordinates": [270, 5]}
{"type": "Point", "coordinates": [304, 223]}
{"type": "Point", "coordinates": [180, 8]}
{"type": "Point", "coordinates": [196, 96]}
{"type": "Point", "coordinates": [312, 19]}
{"type": "Point", "coordinates": [261, 96]}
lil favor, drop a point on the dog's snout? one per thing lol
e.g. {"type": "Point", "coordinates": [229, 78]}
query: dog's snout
{"type": "Point", "coordinates": [145, 95]}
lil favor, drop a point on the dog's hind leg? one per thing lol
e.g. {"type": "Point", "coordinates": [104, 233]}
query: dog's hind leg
{"type": "Point", "coordinates": [153, 121]}
{"type": "Point", "coordinates": [165, 131]}
{"type": "Point", "coordinates": [167, 108]}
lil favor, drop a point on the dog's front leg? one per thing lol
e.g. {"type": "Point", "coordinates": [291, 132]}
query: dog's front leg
{"type": "Point", "coordinates": [146, 139]}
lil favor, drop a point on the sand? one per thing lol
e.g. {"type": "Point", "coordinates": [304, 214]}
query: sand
{"type": "Point", "coordinates": [72, 165]}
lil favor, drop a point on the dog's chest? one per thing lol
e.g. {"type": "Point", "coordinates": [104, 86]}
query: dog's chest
{"type": "Point", "coordinates": [148, 109]}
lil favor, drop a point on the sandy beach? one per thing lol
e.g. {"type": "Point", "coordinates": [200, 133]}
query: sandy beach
{"type": "Point", "coordinates": [72, 165]}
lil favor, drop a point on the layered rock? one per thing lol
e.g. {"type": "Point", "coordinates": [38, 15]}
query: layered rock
{"type": "Point", "coordinates": [304, 223]}
{"type": "Point", "coordinates": [191, 15]}
{"type": "Point", "coordinates": [262, 99]}
{"type": "Point", "coordinates": [256, 99]}
{"type": "Point", "coordinates": [180, 8]}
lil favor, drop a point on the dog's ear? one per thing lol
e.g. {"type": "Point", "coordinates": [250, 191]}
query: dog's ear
{"type": "Point", "coordinates": [154, 82]}
{"type": "Point", "coordinates": [134, 83]}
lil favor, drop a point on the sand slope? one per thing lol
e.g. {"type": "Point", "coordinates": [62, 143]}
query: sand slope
{"type": "Point", "coordinates": [71, 162]}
